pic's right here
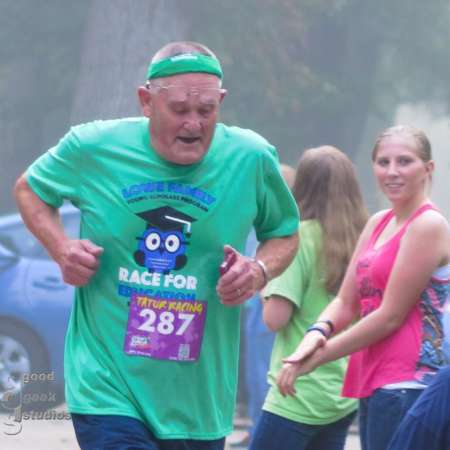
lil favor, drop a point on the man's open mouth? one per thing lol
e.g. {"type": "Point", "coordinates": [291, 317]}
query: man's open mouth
{"type": "Point", "coordinates": [188, 140]}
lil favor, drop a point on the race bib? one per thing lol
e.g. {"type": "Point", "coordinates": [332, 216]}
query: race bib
{"type": "Point", "coordinates": [165, 329]}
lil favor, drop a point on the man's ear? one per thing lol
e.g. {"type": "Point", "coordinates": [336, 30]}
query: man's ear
{"type": "Point", "coordinates": [222, 95]}
{"type": "Point", "coordinates": [145, 98]}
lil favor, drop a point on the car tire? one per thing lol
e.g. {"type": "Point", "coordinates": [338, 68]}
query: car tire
{"type": "Point", "coordinates": [25, 377]}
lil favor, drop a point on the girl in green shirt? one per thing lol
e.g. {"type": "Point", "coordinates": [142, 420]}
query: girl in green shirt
{"type": "Point", "coordinates": [333, 215]}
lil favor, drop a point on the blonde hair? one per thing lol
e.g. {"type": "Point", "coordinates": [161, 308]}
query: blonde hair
{"type": "Point", "coordinates": [326, 190]}
{"type": "Point", "coordinates": [422, 144]}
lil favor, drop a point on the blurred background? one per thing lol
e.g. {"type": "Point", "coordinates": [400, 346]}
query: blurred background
{"type": "Point", "coordinates": [300, 72]}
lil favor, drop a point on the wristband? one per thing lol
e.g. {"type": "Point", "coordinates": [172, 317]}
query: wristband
{"type": "Point", "coordinates": [320, 330]}
{"type": "Point", "coordinates": [329, 323]}
{"type": "Point", "coordinates": [263, 268]}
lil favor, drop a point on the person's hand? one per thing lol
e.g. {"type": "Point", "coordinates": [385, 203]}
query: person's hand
{"type": "Point", "coordinates": [241, 280]}
{"type": "Point", "coordinates": [299, 362]}
{"type": "Point", "coordinates": [293, 368]}
{"type": "Point", "coordinates": [78, 261]}
{"type": "Point", "coordinates": [311, 342]}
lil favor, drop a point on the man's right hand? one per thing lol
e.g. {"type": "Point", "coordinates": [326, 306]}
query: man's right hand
{"type": "Point", "coordinates": [78, 260]}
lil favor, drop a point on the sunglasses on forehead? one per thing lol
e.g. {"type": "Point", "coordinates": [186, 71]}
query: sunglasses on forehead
{"type": "Point", "coordinates": [179, 91]}
{"type": "Point", "coordinates": [188, 90]}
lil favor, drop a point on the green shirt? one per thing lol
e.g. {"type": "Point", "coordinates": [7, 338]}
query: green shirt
{"type": "Point", "coordinates": [111, 173]}
{"type": "Point", "coordinates": [318, 400]}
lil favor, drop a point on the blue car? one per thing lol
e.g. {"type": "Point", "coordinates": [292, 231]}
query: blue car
{"type": "Point", "coordinates": [35, 306]}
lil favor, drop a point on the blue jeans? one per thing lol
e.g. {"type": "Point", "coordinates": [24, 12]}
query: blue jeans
{"type": "Point", "coordinates": [427, 424]}
{"type": "Point", "coordinates": [107, 432]}
{"type": "Point", "coordinates": [381, 414]}
{"type": "Point", "coordinates": [274, 432]}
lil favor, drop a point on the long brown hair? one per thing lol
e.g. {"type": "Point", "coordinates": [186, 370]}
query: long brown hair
{"type": "Point", "coordinates": [326, 189]}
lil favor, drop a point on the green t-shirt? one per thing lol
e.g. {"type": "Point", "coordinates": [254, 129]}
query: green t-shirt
{"type": "Point", "coordinates": [131, 200]}
{"type": "Point", "coordinates": [318, 399]}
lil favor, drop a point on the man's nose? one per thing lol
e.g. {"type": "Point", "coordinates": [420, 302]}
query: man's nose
{"type": "Point", "coordinates": [192, 122]}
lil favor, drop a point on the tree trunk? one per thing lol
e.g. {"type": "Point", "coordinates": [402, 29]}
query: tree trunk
{"type": "Point", "coordinates": [120, 38]}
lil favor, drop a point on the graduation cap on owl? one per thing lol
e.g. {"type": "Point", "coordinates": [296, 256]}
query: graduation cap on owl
{"type": "Point", "coordinates": [167, 218]}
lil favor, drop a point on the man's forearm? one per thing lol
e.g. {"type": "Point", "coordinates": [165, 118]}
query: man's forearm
{"type": "Point", "coordinates": [277, 253]}
{"type": "Point", "coordinates": [40, 218]}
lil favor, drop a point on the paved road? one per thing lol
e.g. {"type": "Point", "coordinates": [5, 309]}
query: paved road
{"type": "Point", "coordinates": [56, 433]}
{"type": "Point", "coordinates": [51, 432]}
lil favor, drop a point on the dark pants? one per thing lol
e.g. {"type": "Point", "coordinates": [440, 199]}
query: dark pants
{"type": "Point", "coordinates": [274, 432]}
{"type": "Point", "coordinates": [427, 424]}
{"type": "Point", "coordinates": [381, 414]}
{"type": "Point", "coordinates": [104, 432]}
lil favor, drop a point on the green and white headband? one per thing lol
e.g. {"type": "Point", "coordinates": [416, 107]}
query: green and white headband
{"type": "Point", "coordinates": [184, 63]}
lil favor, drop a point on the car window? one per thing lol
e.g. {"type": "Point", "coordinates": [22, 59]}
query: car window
{"type": "Point", "coordinates": [17, 239]}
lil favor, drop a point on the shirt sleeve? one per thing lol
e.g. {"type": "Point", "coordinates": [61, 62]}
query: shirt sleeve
{"type": "Point", "coordinates": [278, 214]}
{"type": "Point", "coordinates": [56, 175]}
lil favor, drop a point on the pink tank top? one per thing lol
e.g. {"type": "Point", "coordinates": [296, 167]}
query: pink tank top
{"type": "Point", "coordinates": [413, 351]}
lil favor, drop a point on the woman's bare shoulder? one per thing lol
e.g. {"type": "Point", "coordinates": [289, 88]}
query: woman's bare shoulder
{"type": "Point", "coordinates": [430, 221]}
{"type": "Point", "coordinates": [433, 228]}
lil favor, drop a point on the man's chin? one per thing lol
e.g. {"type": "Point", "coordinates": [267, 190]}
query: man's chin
{"type": "Point", "coordinates": [188, 154]}
{"type": "Point", "coordinates": [181, 153]}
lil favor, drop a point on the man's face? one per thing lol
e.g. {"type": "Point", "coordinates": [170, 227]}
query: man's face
{"type": "Point", "coordinates": [183, 112]}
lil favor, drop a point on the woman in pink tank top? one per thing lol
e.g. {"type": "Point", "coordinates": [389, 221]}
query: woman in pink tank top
{"type": "Point", "coordinates": [396, 283]}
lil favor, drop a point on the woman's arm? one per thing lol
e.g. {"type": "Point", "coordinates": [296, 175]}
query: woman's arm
{"type": "Point", "coordinates": [341, 312]}
{"type": "Point", "coordinates": [345, 306]}
{"type": "Point", "coordinates": [424, 247]}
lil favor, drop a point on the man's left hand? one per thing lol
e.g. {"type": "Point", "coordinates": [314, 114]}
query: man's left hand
{"type": "Point", "coordinates": [241, 281]}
